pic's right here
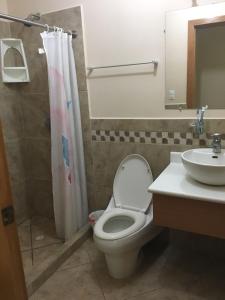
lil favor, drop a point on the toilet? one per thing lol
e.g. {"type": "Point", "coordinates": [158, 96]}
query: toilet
{"type": "Point", "coordinates": [127, 223]}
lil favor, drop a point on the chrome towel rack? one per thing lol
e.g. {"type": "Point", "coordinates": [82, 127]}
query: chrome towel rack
{"type": "Point", "coordinates": [154, 62]}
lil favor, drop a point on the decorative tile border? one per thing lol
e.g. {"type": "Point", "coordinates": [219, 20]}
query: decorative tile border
{"type": "Point", "coordinates": [153, 137]}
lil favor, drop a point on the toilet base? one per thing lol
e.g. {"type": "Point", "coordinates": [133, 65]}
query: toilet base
{"type": "Point", "coordinates": [124, 264]}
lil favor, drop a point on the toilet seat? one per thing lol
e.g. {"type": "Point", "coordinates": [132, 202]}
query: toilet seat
{"type": "Point", "coordinates": [131, 198]}
{"type": "Point", "coordinates": [131, 182]}
{"type": "Point", "coordinates": [117, 216]}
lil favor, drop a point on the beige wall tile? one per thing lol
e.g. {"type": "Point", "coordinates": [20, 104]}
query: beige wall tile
{"type": "Point", "coordinates": [106, 156]}
{"type": "Point", "coordinates": [36, 115]}
{"type": "Point", "coordinates": [40, 198]}
{"type": "Point", "coordinates": [181, 125]}
{"type": "Point", "coordinates": [11, 116]}
{"type": "Point", "coordinates": [14, 154]}
{"type": "Point", "coordinates": [37, 158]}
{"type": "Point", "coordinates": [19, 195]}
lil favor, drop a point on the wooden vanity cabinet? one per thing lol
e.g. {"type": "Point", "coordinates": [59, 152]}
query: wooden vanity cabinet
{"type": "Point", "coordinates": [186, 214]}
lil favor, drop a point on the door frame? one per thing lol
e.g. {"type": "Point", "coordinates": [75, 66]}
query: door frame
{"type": "Point", "coordinates": [12, 280]}
{"type": "Point", "coordinates": [191, 54]}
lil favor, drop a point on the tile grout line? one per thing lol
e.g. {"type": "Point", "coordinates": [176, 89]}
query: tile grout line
{"type": "Point", "coordinates": [93, 268]}
{"type": "Point", "coordinates": [142, 294]}
{"type": "Point", "coordinates": [72, 267]}
{"type": "Point", "coordinates": [46, 246]}
{"type": "Point", "coordinates": [31, 240]}
{"type": "Point", "coordinates": [21, 222]}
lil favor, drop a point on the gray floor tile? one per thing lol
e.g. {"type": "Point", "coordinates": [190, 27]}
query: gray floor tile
{"type": "Point", "coordinates": [43, 232]}
{"type": "Point", "coordinates": [80, 257]}
{"type": "Point", "coordinates": [43, 253]}
{"type": "Point", "coordinates": [96, 257]}
{"type": "Point", "coordinates": [71, 284]}
{"type": "Point", "coordinates": [166, 294]}
{"type": "Point", "coordinates": [167, 273]}
{"type": "Point", "coordinates": [24, 235]}
{"type": "Point", "coordinates": [27, 262]}
{"type": "Point", "coordinates": [146, 279]}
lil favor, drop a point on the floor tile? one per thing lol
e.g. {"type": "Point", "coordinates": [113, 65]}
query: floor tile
{"type": "Point", "coordinates": [43, 253]}
{"type": "Point", "coordinates": [126, 288]}
{"type": "Point", "coordinates": [79, 257]}
{"type": "Point", "coordinates": [210, 283]}
{"type": "Point", "coordinates": [27, 262]}
{"type": "Point", "coordinates": [43, 232]}
{"type": "Point", "coordinates": [97, 258]}
{"type": "Point", "coordinates": [71, 284]}
{"type": "Point", "coordinates": [167, 273]}
{"type": "Point", "coordinates": [188, 275]}
{"type": "Point", "coordinates": [24, 235]}
{"type": "Point", "coordinates": [166, 294]}
{"type": "Point", "coordinates": [145, 279]}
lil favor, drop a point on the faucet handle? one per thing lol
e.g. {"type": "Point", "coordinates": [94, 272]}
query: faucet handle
{"type": "Point", "coordinates": [216, 136]}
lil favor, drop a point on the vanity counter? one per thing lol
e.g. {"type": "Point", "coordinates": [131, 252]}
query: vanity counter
{"type": "Point", "coordinates": [180, 202]}
{"type": "Point", "coordinates": [174, 181]}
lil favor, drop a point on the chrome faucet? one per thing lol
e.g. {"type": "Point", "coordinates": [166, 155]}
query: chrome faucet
{"type": "Point", "coordinates": [199, 122]}
{"type": "Point", "coordinates": [216, 143]}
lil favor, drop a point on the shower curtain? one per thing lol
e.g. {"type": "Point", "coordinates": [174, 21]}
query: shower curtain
{"type": "Point", "coordinates": [68, 168]}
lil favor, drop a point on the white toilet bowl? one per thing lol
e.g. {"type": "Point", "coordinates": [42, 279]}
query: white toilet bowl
{"type": "Point", "coordinates": [126, 225]}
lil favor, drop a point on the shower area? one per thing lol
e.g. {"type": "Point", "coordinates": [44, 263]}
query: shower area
{"type": "Point", "coordinates": [26, 125]}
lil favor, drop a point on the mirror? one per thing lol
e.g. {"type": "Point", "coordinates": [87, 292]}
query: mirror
{"type": "Point", "coordinates": [195, 57]}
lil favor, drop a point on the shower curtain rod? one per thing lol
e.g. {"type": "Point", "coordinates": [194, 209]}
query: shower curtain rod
{"type": "Point", "coordinates": [31, 23]}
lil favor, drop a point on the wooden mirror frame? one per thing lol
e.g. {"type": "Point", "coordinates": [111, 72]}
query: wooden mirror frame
{"type": "Point", "coordinates": [191, 54]}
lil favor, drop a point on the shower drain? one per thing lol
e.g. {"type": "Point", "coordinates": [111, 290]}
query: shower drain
{"type": "Point", "coordinates": [39, 238]}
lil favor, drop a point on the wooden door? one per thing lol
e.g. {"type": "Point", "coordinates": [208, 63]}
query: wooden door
{"type": "Point", "coordinates": [193, 25]}
{"type": "Point", "coordinates": [12, 282]}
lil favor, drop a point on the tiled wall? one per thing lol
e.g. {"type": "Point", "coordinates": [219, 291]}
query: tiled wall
{"type": "Point", "coordinates": [11, 116]}
{"type": "Point", "coordinates": [25, 116]}
{"type": "Point", "coordinates": [34, 104]}
{"type": "Point", "coordinates": [112, 140]}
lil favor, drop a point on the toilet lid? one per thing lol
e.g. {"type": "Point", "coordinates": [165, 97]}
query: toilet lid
{"type": "Point", "coordinates": [131, 182]}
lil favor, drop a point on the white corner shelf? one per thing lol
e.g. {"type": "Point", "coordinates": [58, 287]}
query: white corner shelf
{"type": "Point", "coordinates": [14, 74]}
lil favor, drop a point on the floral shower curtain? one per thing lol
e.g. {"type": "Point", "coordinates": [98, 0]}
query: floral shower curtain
{"type": "Point", "coordinates": [68, 168]}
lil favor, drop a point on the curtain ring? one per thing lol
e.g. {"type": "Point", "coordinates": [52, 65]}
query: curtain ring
{"type": "Point", "coordinates": [47, 28]}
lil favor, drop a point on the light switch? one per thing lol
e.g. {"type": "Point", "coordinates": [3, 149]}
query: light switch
{"type": "Point", "coordinates": [172, 95]}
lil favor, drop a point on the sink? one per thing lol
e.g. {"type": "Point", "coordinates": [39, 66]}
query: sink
{"type": "Point", "coordinates": [205, 166]}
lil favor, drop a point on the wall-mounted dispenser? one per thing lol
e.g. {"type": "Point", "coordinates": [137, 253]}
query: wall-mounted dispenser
{"type": "Point", "coordinates": [11, 72]}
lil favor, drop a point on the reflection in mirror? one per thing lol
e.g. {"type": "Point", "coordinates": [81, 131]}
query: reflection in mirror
{"type": "Point", "coordinates": [195, 57]}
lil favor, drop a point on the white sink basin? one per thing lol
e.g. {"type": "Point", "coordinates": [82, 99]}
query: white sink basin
{"type": "Point", "coordinates": [205, 166]}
